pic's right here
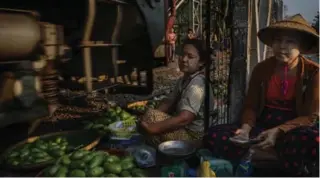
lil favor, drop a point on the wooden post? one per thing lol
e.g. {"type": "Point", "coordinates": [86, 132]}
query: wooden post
{"type": "Point", "coordinates": [241, 24]}
{"type": "Point", "coordinates": [166, 51]}
{"type": "Point", "coordinates": [265, 8]}
{"type": "Point", "coordinates": [254, 51]}
{"type": "Point", "coordinates": [86, 49]}
{"type": "Point", "coordinates": [265, 50]}
{"type": "Point", "coordinates": [114, 40]}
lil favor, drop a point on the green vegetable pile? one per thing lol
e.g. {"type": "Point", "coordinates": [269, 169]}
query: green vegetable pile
{"type": "Point", "coordinates": [112, 115]}
{"type": "Point", "coordinates": [94, 164]}
{"type": "Point", "coordinates": [38, 151]}
{"type": "Point", "coordinates": [153, 104]}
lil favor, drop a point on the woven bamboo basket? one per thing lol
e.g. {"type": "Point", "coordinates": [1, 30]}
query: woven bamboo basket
{"type": "Point", "coordinates": [153, 116]}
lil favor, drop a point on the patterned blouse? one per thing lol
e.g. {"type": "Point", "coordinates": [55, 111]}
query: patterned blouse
{"type": "Point", "coordinates": [191, 93]}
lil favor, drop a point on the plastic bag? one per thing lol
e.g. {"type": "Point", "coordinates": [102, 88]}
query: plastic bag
{"type": "Point", "coordinates": [213, 167]}
{"type": "Point", "coordinates": [144, 155]}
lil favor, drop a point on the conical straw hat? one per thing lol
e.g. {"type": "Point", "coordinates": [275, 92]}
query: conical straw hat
{"type": "Point", "coordinates": [295, 23]}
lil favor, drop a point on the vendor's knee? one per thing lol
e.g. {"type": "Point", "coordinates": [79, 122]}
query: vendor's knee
{"type": "Point", "coordinates": [220, 133]}
{"type": "Point", "coordinates": [303, 135]}
{"type": "Point", "coordinates": [301, 141]}
{"type": "Point", "coordinates": [223, 128]}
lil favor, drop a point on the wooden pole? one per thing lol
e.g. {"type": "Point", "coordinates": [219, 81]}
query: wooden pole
{"type": "Point", "coordinates": [114, 40]}
{"type": "Point", "coordinates": [207, 109]}
{"type": "Point", "coordinates": [86, 49]}
{"type": "Point", "coordinates": [268, 23]}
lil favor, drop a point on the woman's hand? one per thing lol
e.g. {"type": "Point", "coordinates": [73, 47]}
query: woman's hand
{"type": "Point", "coordinates": [269, 138]}
{"type": "Point", "coordinates": [243, 132]}
{"type": "Point", "coordinates": [150, 128]}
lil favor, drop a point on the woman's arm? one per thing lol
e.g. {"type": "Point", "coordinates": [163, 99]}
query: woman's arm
{"type": "Point", "coordinates": [183, 119]}
{"type": "Point", "coordinates": [166, 105]}
{"type": "Point", "coordinates": [313, 116]}
{"type": "Point", "coordinates": [251, 100]}
{"type": "Point", "coordinates": [190, 105]}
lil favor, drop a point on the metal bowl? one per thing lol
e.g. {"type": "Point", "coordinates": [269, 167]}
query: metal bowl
{"type": "Point", "coordinates": [177, 148]}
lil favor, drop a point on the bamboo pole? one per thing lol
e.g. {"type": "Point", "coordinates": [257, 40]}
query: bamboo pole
{"type": "Point", "coordinates": [252, 43]}
{"type": "Point", "coordinates": [179, 4]}
{"type": "Point", "coordinates": [86, 49]}
{"type": "Point", "coordinates": [207, 121]}
{"type": "Point", "coordinates": [268, 23]}
{"type": "Point", "coordinates": [114, 40]}
{"type": "Point", "coordinates": [256, 41]}
{"type": "Point", "coordinates": [96, 44]}
{"type": "Point", "coordinates": [249, 37]}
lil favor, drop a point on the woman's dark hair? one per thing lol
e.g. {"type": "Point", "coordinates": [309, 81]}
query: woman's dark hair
{"type": "Point", "coordinates": [190, 30]}
{"type": "Point", "coordinates": [200, 46]}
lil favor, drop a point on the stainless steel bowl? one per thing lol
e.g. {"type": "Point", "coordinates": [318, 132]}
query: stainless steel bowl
{"type": "Point", "coordinates": [176, 148]}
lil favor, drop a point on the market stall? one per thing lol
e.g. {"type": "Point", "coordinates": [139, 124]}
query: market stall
{"type": "Point", "coordinates": [111, 134]}
{"type": "Point", "coordinates": [94, 127]}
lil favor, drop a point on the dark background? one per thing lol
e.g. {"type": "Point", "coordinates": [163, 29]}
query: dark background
{"type": "Point", "coordinates": [71, 14]}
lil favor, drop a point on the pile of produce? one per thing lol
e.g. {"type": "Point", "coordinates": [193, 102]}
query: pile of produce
{"type": "Point", "coordinates": [141, 106]}
{"type": "Point", "coordinates": [112, 115]}
{"type": "Point", "coordinates": [153, 104]}
{"type": "Point", "coordinates": [94, 164]}
{"type": "Point", "coordinates": [38, 151]}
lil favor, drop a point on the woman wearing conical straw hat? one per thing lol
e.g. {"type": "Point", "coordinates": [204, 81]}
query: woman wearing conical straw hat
{"type": "Point", "coordinates": [281, 109]}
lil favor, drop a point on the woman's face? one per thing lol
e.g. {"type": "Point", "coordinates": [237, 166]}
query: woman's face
{"type": "Point", "coordinates": [286, 48]}
{"type": "Point", "coordinates": [189, 62]}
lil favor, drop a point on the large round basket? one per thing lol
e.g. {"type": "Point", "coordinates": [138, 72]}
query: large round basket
{"type": "Point", "coordinates": [83, 139]}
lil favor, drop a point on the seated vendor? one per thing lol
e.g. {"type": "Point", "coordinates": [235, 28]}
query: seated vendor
{"type": "Point", "coordinates": [186, 103]}
{"type": "Point", "coordinates": [281, 108]}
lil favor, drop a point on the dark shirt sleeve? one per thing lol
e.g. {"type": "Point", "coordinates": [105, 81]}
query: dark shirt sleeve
{"type": "Point", "coordinates": [251, 100]}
